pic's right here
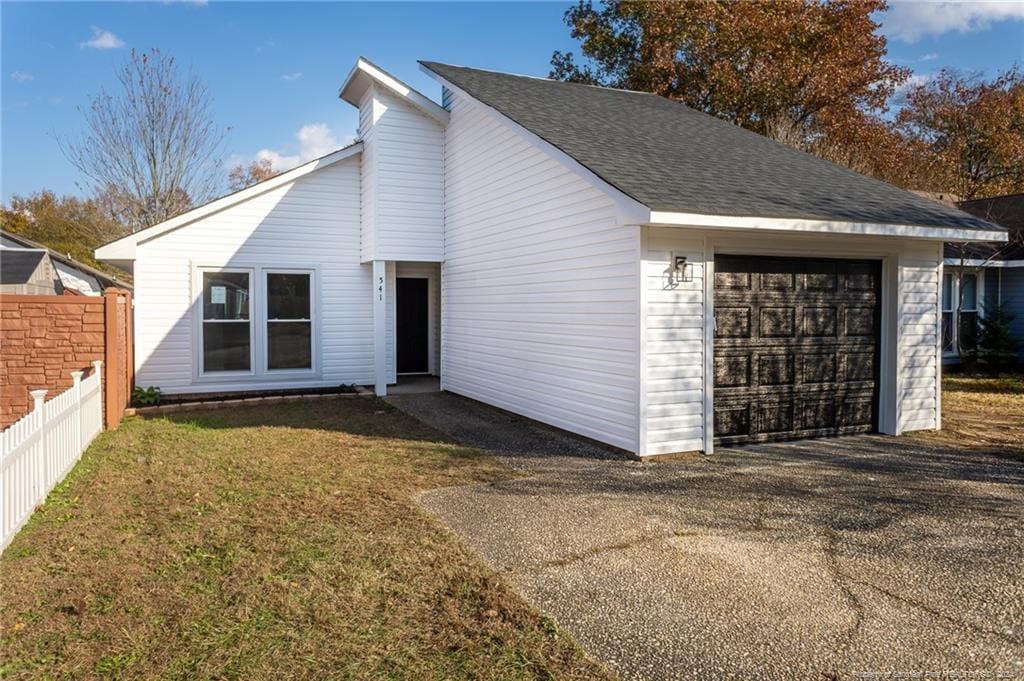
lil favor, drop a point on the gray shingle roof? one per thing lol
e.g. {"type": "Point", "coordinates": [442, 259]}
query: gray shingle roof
{"type": "Point", "coordinates": [17, 266]}
{"type": "Point", "coordinates": [670, 157]}
{"type": "Point", "coordinates": [1005, 211]}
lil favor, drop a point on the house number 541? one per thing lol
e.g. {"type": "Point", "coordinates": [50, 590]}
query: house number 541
{"type": "Point", "coordinates": [380, 289]}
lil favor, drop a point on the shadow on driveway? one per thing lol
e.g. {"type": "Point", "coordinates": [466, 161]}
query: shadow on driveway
{"type": "Point", "coordinates": [830, 558]}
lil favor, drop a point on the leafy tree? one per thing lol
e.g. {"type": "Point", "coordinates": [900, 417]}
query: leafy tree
{"type": "Point", "coordinates": [970, 130]}
{"type": "Point", "coordinates": [804, 72]}
{"type": "Point", "coordinates": [66, 224]}
{"type": "Point", "coordinates": [242, 176]}
{"type": "Point", "coordinates": [152, 146]}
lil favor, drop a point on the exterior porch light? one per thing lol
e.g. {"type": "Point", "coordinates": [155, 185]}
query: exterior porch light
{"type": "Point", "coordinates": [680, 268]}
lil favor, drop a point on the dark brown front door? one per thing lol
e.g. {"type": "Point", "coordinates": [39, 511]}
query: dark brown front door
{"type": "Point", "coordinates": [796, 348]}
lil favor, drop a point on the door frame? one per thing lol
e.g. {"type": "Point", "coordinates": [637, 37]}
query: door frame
{"type": "Point", "coordinates": [750, 245]}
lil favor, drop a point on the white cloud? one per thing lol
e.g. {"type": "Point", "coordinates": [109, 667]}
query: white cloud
{"type": "Point", "coordinates": [102, 40]}
{"type": "Point", "coordinates": [931, 56]}
{"type": "Point", "coordinates": [914, 81]}
{"type": "Point", "coordinates": [911, 20]}
{"type": "Point", "coordinates": [292, 76]}
{"type": "Point", "coordinates": [22, 76]}
{"type": "Point", "coordinates": [314, 140]}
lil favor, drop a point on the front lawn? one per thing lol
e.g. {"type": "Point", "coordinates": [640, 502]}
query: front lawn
{"type": "Point", "coordinates": [983, 413]}
{"type": "Point", "coordinates": [278, 541]}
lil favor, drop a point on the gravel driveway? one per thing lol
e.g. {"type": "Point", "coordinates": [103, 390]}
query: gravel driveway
{"type": "Point", "coordinates": [855, 558]}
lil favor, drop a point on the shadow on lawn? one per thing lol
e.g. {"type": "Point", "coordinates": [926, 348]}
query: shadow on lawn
{"type": "Point", "coordinates": [368, 417]}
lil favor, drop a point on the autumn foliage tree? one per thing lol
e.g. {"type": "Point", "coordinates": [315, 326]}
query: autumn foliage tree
{"type": "Point", "coordinates": [804, 72]}
{"type": "Point", "coordinates": [970, 132]}
{"type": "Point", "coordinates": [242, 176]}
{"type": "Point", "coordinates": [66, 224]}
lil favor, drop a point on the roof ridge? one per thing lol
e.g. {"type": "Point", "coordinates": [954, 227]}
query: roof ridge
{"type": "Point", "coordinates": [548, 80]}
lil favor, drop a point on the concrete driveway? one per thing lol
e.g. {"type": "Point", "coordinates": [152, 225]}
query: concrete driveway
{"type": "Point", "coordinates": [858, 558]}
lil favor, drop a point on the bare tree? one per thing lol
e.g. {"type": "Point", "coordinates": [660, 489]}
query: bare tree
{"type": "Point", "coordinates": [152, 147]}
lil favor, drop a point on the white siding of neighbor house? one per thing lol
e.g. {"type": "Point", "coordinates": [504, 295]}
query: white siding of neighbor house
{"type": "Point", "coordinates": [675, 362]}
{"type": "Point", "coordinates": [312, 222]}
{"type": "Point", "coordinates": [403, 190]}
{"type": "Point", "coordinates": [539, 285]}
{"type": "Point", "coordinates": [919, 361]}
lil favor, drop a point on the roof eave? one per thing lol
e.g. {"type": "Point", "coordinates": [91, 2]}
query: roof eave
{"type": "Point", "coordinates": [365, 73]}
{"type": "Point", "coordinates": [677, 219]}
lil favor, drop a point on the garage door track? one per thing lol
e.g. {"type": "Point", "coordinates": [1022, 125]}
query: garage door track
{"type": "Point", "coordinates": [855, 558]}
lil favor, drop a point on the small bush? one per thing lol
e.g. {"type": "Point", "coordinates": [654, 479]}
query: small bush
{"type": "Point", "coordinates": [146, 397]}
{"type": "Point", "coordinates": [997, 348]}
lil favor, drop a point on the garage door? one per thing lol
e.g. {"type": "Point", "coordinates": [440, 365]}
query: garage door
{"type": "Point", "coordinates": [796, 348]}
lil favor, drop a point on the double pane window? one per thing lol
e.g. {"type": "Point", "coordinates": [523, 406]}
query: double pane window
{"type": "Point", "coordinates": [963, 323]}
{"type": "Point", "coordinates": [231, 304]}
{"type": "Point", "coordinates": [227, 334]}
{"type": "Point", "coordinates": [289, 321]}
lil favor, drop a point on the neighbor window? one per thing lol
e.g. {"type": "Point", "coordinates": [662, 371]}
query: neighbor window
{"type": "Point", "coordinates": [289, 321]}
{"type": "Point", "coordinates": [227, 337]}
{"type": "Point", "coordinates": [959, 327]}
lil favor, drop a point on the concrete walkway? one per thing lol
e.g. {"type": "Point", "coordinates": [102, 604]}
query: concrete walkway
{"type": "Point", "coordinates": [852, 558]}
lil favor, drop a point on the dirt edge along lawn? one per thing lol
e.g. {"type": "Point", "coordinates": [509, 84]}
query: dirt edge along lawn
{"type": "Point", "coordinates": [266, 541]}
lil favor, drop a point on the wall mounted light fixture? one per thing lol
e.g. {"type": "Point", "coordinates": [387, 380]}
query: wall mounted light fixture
{"type": "Point", "coordinates": [681, 270]}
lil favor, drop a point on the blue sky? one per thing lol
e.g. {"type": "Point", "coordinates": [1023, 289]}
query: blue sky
{"type": "Point", "coordinates": [274, 68]}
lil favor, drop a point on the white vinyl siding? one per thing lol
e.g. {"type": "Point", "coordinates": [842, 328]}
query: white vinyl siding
{"type": "Point", "coordinates": [919, 336]}
{"type": "Point", "coordinates": [539, 285]}
{"type": "Point", "coordinates": [674, 332]}
{"type": "Point", "coordinates": [367, 177]}
{"type": "Point", "coordinates": [309, 224]}
{"type": "Point", "coordinates": [403, 180]}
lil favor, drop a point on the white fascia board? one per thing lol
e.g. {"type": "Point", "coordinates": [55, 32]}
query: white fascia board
{"type": "Point", "coordinates": [672, 219]}
{"type": "Point", "coordinates": [124, 248]}
{"type": "Point", "coordinates": [631, 211]}
{"type": "Point", "coordinates": [351, 93]}
{"type": "Point", "coordinates": [969, 262]}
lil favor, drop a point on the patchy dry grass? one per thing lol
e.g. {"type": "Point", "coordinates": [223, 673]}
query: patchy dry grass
{"type": "Point", "coordinates": [278, 541]}
{"type": "Point", "coordinates": [982, 413]}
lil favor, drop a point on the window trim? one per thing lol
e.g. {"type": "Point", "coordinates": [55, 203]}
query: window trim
{"type": "Point", "coordinates": [200, 330]}
{"type": "Point", "coordinates": [314, 348]}
{"type": "Point", "coordinates": [954, 288]}
{"type": "Point", "coordinates": [258, 371]}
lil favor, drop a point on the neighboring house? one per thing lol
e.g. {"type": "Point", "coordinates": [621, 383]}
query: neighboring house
{"type": "Point", "coordinates": [609, 262]}
{"type": "Point", "coordinates": [70, 274]}
{"type": "Point", "coordinates": [992, 273]}
{"type": "Point", "coordinates": [28, 271]}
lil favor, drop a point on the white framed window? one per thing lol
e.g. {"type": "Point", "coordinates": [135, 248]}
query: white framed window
{"type": "Point", "coordinates": [226, 344]}
{"type": "Point", "coordinates": [960, 327]}
{"type": "Point", "coordinates": [289, 330]}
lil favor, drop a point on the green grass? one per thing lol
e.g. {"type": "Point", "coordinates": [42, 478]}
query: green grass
{"type": "Point", "coordinates": [266, 542]}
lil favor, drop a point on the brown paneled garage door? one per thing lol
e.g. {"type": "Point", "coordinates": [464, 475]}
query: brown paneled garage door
{"type": "Point", "coordinates": [796, 348]}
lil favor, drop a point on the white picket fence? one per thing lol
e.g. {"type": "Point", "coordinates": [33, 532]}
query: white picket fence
{"type": "Point", "coordinates": [38, 450]}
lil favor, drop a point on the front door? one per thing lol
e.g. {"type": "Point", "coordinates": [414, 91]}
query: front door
{"type": "Point", "coordinates": [412, 323]}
